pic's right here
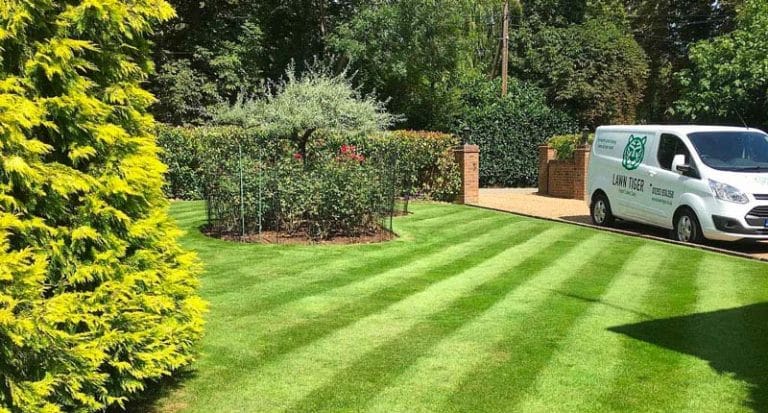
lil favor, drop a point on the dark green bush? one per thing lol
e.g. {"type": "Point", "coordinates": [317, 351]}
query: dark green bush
{"type": "Point", "coordinates": [509, 130]}
{"type": "Point", "coordinates": [322, 194]}
{"type": "Point", "coordinates": [180, 152]}
{"type": "Point", "coordinates": [337, 192]}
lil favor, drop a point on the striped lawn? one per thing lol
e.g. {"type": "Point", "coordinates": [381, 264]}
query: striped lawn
{"type": "Point", "coordinates": [473, 310]}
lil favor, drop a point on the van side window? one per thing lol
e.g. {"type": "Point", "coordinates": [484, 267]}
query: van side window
{"type": "Point", "coordinates": [669, 146]}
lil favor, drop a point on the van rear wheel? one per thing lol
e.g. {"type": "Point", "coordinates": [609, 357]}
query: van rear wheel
{"type": "Point", "coordinates": [687, 227]}
{"type": "Point", "coordinates": [600, 211]}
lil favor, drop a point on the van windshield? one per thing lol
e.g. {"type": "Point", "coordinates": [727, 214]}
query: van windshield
{"type": "Point", "coordinates": [742, 151]}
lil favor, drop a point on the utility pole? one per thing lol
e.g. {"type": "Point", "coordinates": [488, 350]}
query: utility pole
{"type": "Point", "coordinates": [505, 50]}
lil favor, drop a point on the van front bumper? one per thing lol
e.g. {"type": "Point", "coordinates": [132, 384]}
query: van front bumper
{"type": "Point", "coordinates": [726, 221]}
{"type": "Point", "coordinates": [733, 227]}
{"type": "Point", "coordinates": [726, 228]}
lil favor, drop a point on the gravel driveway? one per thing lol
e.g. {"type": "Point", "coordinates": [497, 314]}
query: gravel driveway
{"type": "Point", "coordinates": [526, 201]}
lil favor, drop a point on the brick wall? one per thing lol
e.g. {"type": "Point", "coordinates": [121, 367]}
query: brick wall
{"type": "Point", "coordinates": [468, 158]}
{"type": "Point", "coordinates": [563, 179]}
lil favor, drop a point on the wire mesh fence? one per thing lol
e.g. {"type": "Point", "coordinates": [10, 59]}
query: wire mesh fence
{"type": "Point", "coordinates": [259, 194]}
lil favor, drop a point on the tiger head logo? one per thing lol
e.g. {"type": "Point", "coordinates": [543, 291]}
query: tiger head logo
{"type": "Point", "coordinates": [634, 152]}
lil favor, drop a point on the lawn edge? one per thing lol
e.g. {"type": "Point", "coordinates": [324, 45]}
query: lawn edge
{"type": "Point", "coordinates": [630, 233]}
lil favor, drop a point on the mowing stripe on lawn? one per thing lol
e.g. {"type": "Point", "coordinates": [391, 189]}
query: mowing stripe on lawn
{"type": "Point", "coordinates": [543, 333]}
{"type": "Point", "coordinates": [307, 308]}
{"type": "Point", "coordinates": [348, 302]}
{"type": "Point", "coordinates": [586, 362]}
{"type": "Point", "coordinates": [314, 365]}
{"type": "Point", "coordinates": [325, 275]}
{"type": "Point", "coordinates": [339, 257]}
{"type": "Point", "coordinates": [258, 265]}
{"type": "Point", "coordinates": [421, 219]}
{"type": "Point", "coordinates": [308, 268]}
{"type": "Point", "coordinates": [355, 385]}
{"type": "Point", "coordinates": [434, 377]}
{"type": "Point", "coordinates": [652, 378]}
{"type": "Point", "coordinates": [312, 329]}
{"type": "Point", "coordinates": [545, 330]}
{"type": "Point", "coordinates": [710, 391]}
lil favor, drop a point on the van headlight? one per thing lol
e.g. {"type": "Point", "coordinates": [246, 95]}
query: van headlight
{"type": "Point", "coordinates": [727, 192]}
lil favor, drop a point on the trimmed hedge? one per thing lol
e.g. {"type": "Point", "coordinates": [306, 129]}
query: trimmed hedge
{"type": "Point", "coordinates": [181, 155]}
{"type": "Point", "coordinates": [425, 159]}
{"type": "Point", "coordinates": [509, 130]}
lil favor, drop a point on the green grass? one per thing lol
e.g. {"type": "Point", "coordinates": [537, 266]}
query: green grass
{"type": "Point", "coordinates": [473, 310]}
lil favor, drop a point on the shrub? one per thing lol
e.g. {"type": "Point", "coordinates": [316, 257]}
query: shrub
{"type": "Point", "coordinates": [509, 130]}
{"type": "Point", "coordinates": [341, 192]}
{"type": "Point", "coordinates": [96, 296]}
{"type": "Point", "coordinates": [425, 162]}
{"type": "Point", "coordinates": [181, 153]}
{"type": "Point", "coordinates": [565, 145]}
{"type": "Point", "coordinates": [301, 105]}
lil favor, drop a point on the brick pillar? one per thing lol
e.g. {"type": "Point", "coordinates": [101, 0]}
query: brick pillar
{"type": "Point", "coordinates": [581, 161]}
{"type": "Point", "coordinates": [546, 154]}
{"type": "Point", "coordinates": [468, 158]}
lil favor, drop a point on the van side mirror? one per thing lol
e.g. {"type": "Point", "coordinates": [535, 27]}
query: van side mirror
{"type": "Point", "coordinates": [680, 166]}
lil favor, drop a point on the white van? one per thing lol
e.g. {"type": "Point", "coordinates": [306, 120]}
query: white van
{"type": "Point", "coordinates": [698, 181]}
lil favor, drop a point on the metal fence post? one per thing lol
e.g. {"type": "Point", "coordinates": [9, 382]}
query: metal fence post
{"type": "Point", "coordinates": [242, 192]}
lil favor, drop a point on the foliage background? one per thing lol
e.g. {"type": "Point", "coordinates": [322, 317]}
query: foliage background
{"type": "Point", "coordinates": [598, 61]}
{"type": "Point", "coordinates": [509, 130]}
{"type": "Point", "coordinates": [728, 77]}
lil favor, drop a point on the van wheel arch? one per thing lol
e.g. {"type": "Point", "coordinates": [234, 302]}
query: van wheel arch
{"type": "Point", "coordinates": [595, 194]}
{"type": "Point", "coordinates": [600, 210]}
{"type": "Point", "coordinates": [696, 235]}
{"type": "Point", "coordinates": [678, 211]}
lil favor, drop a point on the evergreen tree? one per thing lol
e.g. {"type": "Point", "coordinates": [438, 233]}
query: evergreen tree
{"type": "Point", "coordinates": [96, 296]}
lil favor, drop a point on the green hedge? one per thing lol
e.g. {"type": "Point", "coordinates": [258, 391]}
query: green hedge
{"type": "Point", "coordinates": [509, 130]}
{"type": "Point", "coordinates": [425, 160]}
{"type": "Point", "coordinates": [181, 154]}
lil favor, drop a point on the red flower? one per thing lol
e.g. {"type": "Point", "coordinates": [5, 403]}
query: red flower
{"type": "Point", "coordinates": [349, 153]}
{"type": "Point", "coordinates": [297, 156]}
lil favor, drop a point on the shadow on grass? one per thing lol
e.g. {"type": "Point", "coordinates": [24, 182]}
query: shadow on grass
{"type": "Point", "coordinates": [146, 401]}
{"type": "Point", "coordinates": [732, 341]}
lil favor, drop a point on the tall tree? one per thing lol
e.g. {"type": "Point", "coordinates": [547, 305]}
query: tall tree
{"type": "Point", "coordinates": [216, 50]}
{"type": "Point", "coordinates": [414, 51]}
{"type": "Point", "coordinates": [584, 56]}
{"type": "Point", "coordinates": [209, 53]}
{"type": "Point", "coordinates": [96, 296]}
{"type": "Point", "coordinates": [666, 30]}
{"type": "Point", "coordinates": [728, 77]}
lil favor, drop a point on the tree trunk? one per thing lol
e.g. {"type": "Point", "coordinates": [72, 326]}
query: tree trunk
{"type": "Point", "coordinates": [302, 141]}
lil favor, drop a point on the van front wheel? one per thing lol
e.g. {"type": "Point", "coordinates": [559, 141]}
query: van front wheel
{"type": "Point", "coordinates": [687, 227]}
{"type": "Point", "coordinates": [600, 211]}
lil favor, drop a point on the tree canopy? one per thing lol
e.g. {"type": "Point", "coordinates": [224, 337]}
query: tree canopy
{"type": "Point", "coordinates": [728, 77]}
{"type": "Point", "coordinates": [602, 61]}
